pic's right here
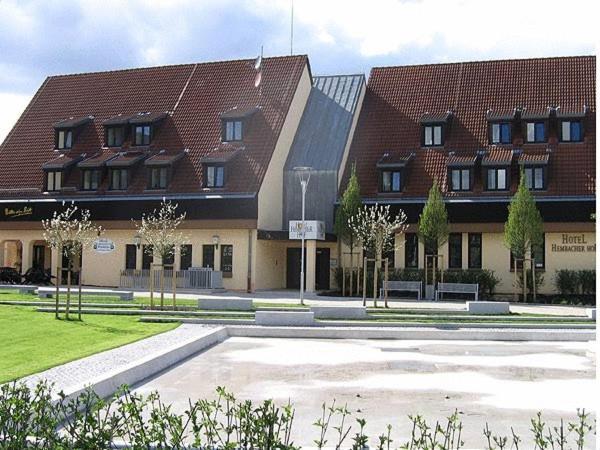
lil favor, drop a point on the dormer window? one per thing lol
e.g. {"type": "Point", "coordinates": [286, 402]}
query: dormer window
{"type": "Point", "coordinates": [536, 132]}
{"type": "Point", "coordinates": [391, 181]}
{"type": "Point", "coordinates": [119, 179]}
{"type": "Point", "coordinates": [500, 133]}
{"type": "Point", "coordinates": [460, 179]}
{"type": "Point", "coordinates": [53, 180]}
{"type": "Point", "coordinates": [142, 134]}
{"type": "Point", "coordinates": [91, 179]}
{"type": "Point", "coordinates": [114, 136]}
{"type": "Point", "coordinates": [497, 179]}
{"type": "Point", "coordinates": [535, 178]}
{"type": "Point", "coordinates": [433, 135]}
{"type": "Point", "coordinates": [159, 177]}
{"type": "Point", "coordinates": [64, 139]}
{"type": "Point", "coordinates": [571, 131]}
{"type": "Point", "coordinates": [232, 130]}
{"type": "Point", "coordinates": [214, 176]}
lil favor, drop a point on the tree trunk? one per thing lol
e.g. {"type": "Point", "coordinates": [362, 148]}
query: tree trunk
{"type": "Point", "coordinates": [162, 287]}
{"type": "Point", "coordinates": [58, 276]}
{"type": "Point", "coordinates": [68, 290]}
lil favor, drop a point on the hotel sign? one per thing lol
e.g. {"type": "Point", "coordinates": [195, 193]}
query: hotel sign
{"type": "Point", "coordinates": [573, 243]}
{"type": "Point", "coordinates": [13, 213]}
{"type": "Point", "coordinates": [314, 230]}
{"type": "Point", "coordinates": [103, 245]}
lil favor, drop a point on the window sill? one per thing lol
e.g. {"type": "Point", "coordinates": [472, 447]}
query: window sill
{"type": "Point", "coordinates": [227, 275]}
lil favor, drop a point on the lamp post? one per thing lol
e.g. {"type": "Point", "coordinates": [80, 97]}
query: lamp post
{"type": "Point", "coordinates": [304, 175]}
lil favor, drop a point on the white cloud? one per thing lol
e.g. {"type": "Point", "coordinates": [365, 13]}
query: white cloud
{"type": "Point", "coordinates": [487, 29]}
{"type": "Point", "coordinates": [12, 107]}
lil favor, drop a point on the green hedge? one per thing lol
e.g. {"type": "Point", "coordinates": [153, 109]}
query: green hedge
{"type": "Point", "coordinates": [574, 282]}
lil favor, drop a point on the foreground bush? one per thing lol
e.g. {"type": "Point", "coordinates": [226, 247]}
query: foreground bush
{"type": "Point", "coordinates": [31, 419]}
{"type": "Point", "coordinates": [573, 282]}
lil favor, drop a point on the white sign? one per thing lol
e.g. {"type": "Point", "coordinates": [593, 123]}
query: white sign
{"type": "Point", "coordinates": [104, 245]}
{"type": "Point", "coordinates": [314, 229]}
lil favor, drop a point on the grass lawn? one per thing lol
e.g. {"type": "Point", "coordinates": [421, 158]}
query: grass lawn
{"type": "Point", "coordinates": [32, 342]}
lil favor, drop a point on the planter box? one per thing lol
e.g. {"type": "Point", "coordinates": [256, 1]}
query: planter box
{"type": "Point", "coordinates": [226, 304]}
{"type": "Point", "coordinates": [488, 307]}
{"type": "Point", "coordinates": [339, 312]}
{"type": "Point", "coordinates": [285, 318]}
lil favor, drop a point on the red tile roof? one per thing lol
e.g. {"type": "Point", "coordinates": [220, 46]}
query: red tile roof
{"type": "Point", "coordinates": [398, 97]}
{"type": "Point", "coordinates": [195, 95]}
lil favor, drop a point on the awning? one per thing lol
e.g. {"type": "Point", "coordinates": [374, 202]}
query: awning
{"type": "Point", "coordinates": [97, 160]}
{"type": "Point", "coordinates": [126, 160]}
{"type": "Point", "coordinates": [500, 114]}
{"type": "Point", "coordinates": [239, 113]}
{"type": "Point", "coordinates": [571, 113]}
{"type": "Point", "coordinates": [534, 159]}
{"type": "Point", "coordinates": [147, 117]}
{"type": "Point", "coordinates": [435, 117]}
{"type": "Point", "coordinates": [61, 162]}
{"type": "Point", "coordinates": [536, 113]}
{"type": "Point", "coordinates": [117, 120]}
{"type": "Point", "coordinates": [391, 161]}
{"type": "Point", "coordinates": [461, 160]}
{"type": "Point", "coordinates": [497, 157]}
{"type": "Point", "coordinates": [72, 122]}
{"type": "Point", "coordinates": [163, 159]}
{"type": "Point", "coordinates": [223, 153]}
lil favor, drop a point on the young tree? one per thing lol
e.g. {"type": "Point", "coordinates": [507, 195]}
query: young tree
{"type": "Point", "coordinates": [69, 235]}
{"type": "Point", "coordinates": [433, 223]}
{"type": "Point", "coordinates": [376, 228]}
{"type": "Point", "coordinates": [160, 230]}
{"type": "Point", "coordinates": [350, 204]}
{"type": "Point", "coordinates": [524, 229]}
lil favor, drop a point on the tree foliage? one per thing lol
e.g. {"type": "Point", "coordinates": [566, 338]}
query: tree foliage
{"type": "Point", "coordinates": [160, 230]}
{"type": "Point", "coordinates": [350, 204]}
{"type": "Point", "coordinates": [524, 229]}
{"type": "Point", "coordinates": [375, 227]}
{"type": "Point", "coordinates": [433, 221]}
{"type": "Point", "coordinates": [69, 233]}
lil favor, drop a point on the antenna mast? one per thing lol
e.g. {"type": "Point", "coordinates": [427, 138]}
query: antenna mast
{"type": "Point", "coordinates": [292, 31]}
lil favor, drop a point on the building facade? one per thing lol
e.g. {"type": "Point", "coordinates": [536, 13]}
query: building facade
{"type": "Point", "coordinates": [223, 140]}
{"type": "Point", "coordinates": [474, 127]}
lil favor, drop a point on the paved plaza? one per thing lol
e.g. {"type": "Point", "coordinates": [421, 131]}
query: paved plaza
{"type": "Point", "coordinates": [503, 383]}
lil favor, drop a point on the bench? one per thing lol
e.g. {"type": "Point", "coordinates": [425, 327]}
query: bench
{"type": "Point", "coordinates": [457, 288]}
{"type": "Point", "coordinates": [488, 307]}
{"type": "Point", "coordinates": [241, 304]}
{"type": "Point", "coordinates": [414, 286]}
{"type": "Point", "coordinates": [339, 312]}
{"type": "Point", "coordinates": [21, 288]}
{"type": "Point", "coordinates": [285, 318]}
{"type": "Point", "coordinates": [50, 292]}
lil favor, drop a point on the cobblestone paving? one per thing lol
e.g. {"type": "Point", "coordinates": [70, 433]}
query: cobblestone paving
{"type": "Point", "coordinates": [88, 368]}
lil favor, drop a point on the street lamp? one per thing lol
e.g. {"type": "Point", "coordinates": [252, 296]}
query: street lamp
{"type": "Point", "coordinates": [304, 176]}
{"type": "Point", "coordinates": [137, 240]}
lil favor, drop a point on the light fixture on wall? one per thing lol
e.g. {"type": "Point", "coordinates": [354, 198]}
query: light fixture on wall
{"type": "Point", "coordinates": [137, 240]}
{"type": "Point", "coordinates": [216, 240]}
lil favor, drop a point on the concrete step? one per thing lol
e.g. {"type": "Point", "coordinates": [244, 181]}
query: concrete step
{"type": "Point", "coordinates": [138, 312]}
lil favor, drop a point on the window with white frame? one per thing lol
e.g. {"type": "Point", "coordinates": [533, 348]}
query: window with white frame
{"type": "Point", "coordinates": [460, 179]}
{"type": "Point", "coordinates": [571, 131]}
{"type": "Point", "coordinates": [500, 133]}
{"type": "Point", "coordinates": [214, 176]}
{"type": "Point", "coordinates": [433, 135]}
{"type": "Point", "coordinates": [497, 179]}
{"type": "Point", "coordinates": [391, 181]}
{"type": "Point", "coordinates": [232, 130]}
{"type": "Point", "coordinates": [64, 139]}
{"type": "Point", "coordinates": [53, 180]}
{"type": "Point", "coordinates": [536, 132]}
{"type": "Point", "coordinates": [535, 178]}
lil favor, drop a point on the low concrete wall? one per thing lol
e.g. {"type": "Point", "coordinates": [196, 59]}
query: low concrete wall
{"type": "Point", "coordinates": [242, 304]}
{"type": "Point", "coordinates": [139, 370]}
{"type": "Point", "coordinates": [339, 312]}
{"type": "Point", "coordinates": [591, 313]}
{"type": "Point", "coordinates": [473, 334]}
{"type": "Point", "coordinates": [284, 318]}
{"type": "Point", "coordinates": [488, 307]}
{"type": "Point", "coordinates": [49, 292]}
{"type": "Point", "coordinates": [20, 288]}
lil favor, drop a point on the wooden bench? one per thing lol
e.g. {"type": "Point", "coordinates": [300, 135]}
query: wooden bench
{"type": "Point", "coordinates": [49, 292]}
{"type": "Point", "coordinates": [21, 288]}
{"type": "Point", "coordinates": [411, 286]}
{"type": "Point", "coordinates": [457, 288]}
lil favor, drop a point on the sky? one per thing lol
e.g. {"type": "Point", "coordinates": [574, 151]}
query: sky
{"type": "Point", "coordinates": [48, 37]}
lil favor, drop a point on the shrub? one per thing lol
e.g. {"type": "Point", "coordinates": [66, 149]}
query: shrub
{"type": "Point", "coordinates": [566, 281]}
{"type": "Point", "coordinates": [587, 281]}
{"type": "Point", "coordinates": [29, 418]}
{"type": "Point", "coordinates": [539, 280]}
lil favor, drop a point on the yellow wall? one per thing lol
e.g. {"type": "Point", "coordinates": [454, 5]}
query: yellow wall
{"type": "Point", "coordinates": [270, 196]}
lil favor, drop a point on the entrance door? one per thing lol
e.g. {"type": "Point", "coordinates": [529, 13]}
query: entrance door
{"type": "Point", "coordinates": [293, 268]}
{"type": "Point", "coordinates": [39, 253]}
{"type": "Point", "coordinates": [322, 275]}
